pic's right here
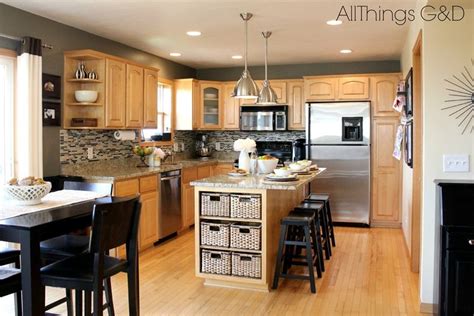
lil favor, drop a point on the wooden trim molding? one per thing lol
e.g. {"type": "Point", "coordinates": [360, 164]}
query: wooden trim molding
{"type": "Point", "coordinates": [8, 53]}
{"type": "Point", "coordinates": [426, 308]}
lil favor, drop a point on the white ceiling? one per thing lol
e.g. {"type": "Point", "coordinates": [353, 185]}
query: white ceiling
{"type": "Point", "coordinates": [300, 33]}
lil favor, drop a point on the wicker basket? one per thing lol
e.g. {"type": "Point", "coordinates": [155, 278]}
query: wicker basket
{"type": "Point", "coordinates": [245, 236]}
{"type": "Point", "coordinates": [247, 265]}
{"type": "Point", "coordinates": [216, 262]}
{"type": "Point", "coordinates": [215, 204]}
{"type": "Point", "coordinates": [245, 206]}
{"type": "Point", "coordinates": [215, 234]}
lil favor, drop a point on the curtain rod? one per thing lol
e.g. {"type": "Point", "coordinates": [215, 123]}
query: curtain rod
{"type": "Point", "coordinates": [19, 39]}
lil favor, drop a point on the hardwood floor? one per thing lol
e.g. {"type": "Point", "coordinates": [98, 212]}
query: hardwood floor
{"type": "Point", "coordinates": [369, 274]}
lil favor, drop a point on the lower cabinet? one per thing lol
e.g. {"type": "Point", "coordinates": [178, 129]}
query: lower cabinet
{"type": "Point", "coordinates": [222, 168]}
{"type": "Point", "coordinates": [187, 205]}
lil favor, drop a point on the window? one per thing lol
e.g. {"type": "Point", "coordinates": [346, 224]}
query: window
{"type": "Point", "coordinates": [7, 79]}
{"type": "Point", "coordinates": [164, 110]}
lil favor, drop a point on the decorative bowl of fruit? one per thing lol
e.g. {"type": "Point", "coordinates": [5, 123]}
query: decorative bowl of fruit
{"type": "Point", "coordinates": [142, 152]}
{"type": "Point", "coordinates": [27, 191]}
{"type": "Point", "coordinates": [266, 164]}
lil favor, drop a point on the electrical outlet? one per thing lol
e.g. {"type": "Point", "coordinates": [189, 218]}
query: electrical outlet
{"type": "Point", "coordinates": [182, 146]}
{"type": "Point", "coordinates": [90, 153]}
{"type": "Point", "coordinates": [455, 163]}
{"type": "Point", "coordinates": [218, 146]}
{"type": "Point", "coordinates": [176, 147]}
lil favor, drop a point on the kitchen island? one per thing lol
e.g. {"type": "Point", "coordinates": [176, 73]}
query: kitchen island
{"type": "Point", "coordinates": [237, 224]}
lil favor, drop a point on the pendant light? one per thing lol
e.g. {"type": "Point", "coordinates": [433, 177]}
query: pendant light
{"type": "Point", "coordinates": [246, 88]}
{"type": "Point", "coordinates": [267, 95]}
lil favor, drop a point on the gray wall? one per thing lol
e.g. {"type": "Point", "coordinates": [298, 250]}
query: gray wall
{"type": "Point", "coordinates": [20, 23]}
{"type": "Point", "coordinates": [300, 70]}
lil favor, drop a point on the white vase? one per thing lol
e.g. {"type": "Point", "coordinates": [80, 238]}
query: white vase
{"type": "Point", "coordinates": [244, 160]}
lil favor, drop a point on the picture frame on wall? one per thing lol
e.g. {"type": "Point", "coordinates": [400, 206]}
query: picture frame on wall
{"type": "Point", "coordinates": [51, 113]}
{"type": "Point", "coordinates": [51, 86]}
{"type": "Point", "coordinates": [409, 144]}
{"type": "Point", "coordinates": [409, 94]}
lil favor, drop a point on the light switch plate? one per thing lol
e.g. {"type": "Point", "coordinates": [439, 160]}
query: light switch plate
{"type": "Point", "coordinates": [182, 146]}
{"type": "Point", "coordinates": [218, 146]}
{"type": "Point", "coordinates": [455, 163]}
{"type": "Point", "coordinates": [176, 147]}
{"type": "Point", "coordinates": [90, 153]}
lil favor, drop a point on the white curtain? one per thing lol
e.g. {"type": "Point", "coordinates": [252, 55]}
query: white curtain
{"type": "Point", "coordinates": [28, 111]}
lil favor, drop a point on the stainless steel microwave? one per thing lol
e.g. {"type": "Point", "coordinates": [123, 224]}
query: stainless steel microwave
{"type": "Point", "coordinates": [263, 118]}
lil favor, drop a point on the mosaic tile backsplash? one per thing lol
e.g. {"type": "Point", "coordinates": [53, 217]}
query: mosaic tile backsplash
{"type": "Point", "coordinates": [74, 143]}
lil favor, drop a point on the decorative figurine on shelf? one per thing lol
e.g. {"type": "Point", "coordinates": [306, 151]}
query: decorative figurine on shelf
{"type": "Point", "coordinates": [92, 75]}
{"type": "Point", "coordinates": [81, 71]}
{"type": "Point", "coordinates": [142, 152]}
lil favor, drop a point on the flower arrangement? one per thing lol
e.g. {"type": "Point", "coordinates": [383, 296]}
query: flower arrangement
{"type": "Point", "coordinates": [244, 144]}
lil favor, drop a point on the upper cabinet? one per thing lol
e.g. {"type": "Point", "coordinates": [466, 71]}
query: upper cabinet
{"type": "Point", "coordinates": [134, 104]}
{"type": "Point", "coordinates": [150, 98]}
{"type": "Point", "coordinates": [210, 105]}
{"type": "Point", "coordinates": [127, 92]}
{"type": "Point", "coordinates": [336, 88]}
{"type": "Point", "coordinates": [320, 89]}
{"type": "Point", "coordinates": [231, 108]}
{"type": "Point", "coordinates": [384, 91]}
{"type": "Point", "coordinates": [296, 110]}
{"type": "Point", "coordinates": [279, 86]}
{"type": "Point", "coordinates": [353, 88]}
{"type": "Point", "coordinates": [186, 104]}
{"type": "Point", "coordinates": [115, 90]}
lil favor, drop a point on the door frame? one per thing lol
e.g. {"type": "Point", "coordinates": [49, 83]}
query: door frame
{"type": "Point", "coordinates": [417, 154]}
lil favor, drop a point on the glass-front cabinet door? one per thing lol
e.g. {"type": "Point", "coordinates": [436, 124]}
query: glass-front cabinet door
{"type": "Point", "coordinates": [211, 105]}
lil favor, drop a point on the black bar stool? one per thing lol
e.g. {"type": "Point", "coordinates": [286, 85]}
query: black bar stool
{"type": "Point", "coordinates": [290, 228]}
{"type": "Point", "coordinates": [318, 210]}
{"type": "Point", "coordinates": [324, 198]}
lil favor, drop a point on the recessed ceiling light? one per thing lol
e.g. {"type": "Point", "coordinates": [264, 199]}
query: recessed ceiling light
{"type": "Point", "coordinates": [334, 22]}
{"type": "Point", "coordinates": [237, 57]}
{"type": "Point", "coordinates": [345, 51]}
{"type": "Point", "coordinates": [193, 33]}
{"type": "Point", "coordinates": [175, 54]}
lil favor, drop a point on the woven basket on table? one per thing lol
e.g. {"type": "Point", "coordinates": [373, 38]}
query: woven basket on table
{"type": "Point", "coordinates": [28, 194]}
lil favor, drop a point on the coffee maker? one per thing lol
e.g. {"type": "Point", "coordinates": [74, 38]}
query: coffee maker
{"type": "Point", "coordinates": [203, 150]}
{"type": "Point", "coordinates": [299, 149]}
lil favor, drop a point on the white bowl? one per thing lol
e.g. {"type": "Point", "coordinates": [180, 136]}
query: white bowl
{"type": "Point", "coordinates": [267, 166]}
{"type": "Point", "coordinates": [86, 96]}
{"type": "Point", "coordinates": [28, 194]}
{"type": "Point", "coordinates": [305, 163]}
{"type": "Point", "coordinates": [296, 166]}
{"type": "Point", "coordinates": [282, 172]}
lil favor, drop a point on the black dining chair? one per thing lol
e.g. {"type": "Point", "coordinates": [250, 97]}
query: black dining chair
{"type": "Point", "coordinates": [69, 245]}
{"type": "Point", "coordinates": [10, 278]}
{"type": "Point", "coordinates": [114, 223]}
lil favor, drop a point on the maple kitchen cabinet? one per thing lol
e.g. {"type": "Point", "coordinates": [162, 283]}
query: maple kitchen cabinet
{"type": "Point", "coordinates": [222, 168]}
{"type": "Point", "coordinates": [187, 103]}
{"type": "Point", "coordinates": [320, 88]}
{"type": "Point", "coordinates": [296, 105]}
{"type": "Point", "coordinates": [134, 97]}
{"type": "Point", "coordinates": [384, 91]}
{"type": "Point", "coordinates": [353, 88]}
{"type": "Point", "coordinates": [337, 88]}
{"type": "Point", "coordinates": [211, 105]}
{"type": "Point", "coordinates": [115, 90]}
{"type": "Point", "coordinates": [231, 108]}
{"type": "Point", "coordinates": [187, 196]}
{"type": "Point", "coordinates": [150, 83]}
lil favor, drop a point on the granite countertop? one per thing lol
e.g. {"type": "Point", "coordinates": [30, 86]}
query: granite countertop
{"type": "Point", "coordinates": [120, 169]}
{"type": "Point", "coordinates": [254, 182]}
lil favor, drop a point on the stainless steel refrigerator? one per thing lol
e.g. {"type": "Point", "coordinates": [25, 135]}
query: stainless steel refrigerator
{"type": "Point", "coordinates": [338, 138]}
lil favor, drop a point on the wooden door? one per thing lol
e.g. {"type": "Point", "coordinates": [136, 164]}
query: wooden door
{"type": "Point", "coordinates": [134, 104]}
{"type": "Point", "coordinates": [203, 172]}
{"type": "Point", "coordinates": [125, 188]}
{"type": "Point", "coordinates": [353, 88]}
{"type": "Point", "coordinates": [150, 98]}
{"type": "Point", "coordinates": [149, 219]}
{"type": "Point", "coordinates": [386, 173]}
{"type": "Point", "coordinates": [231, 108]}
{"type": "Point", "coordinates": [222, 168]}
{"type": "Point", "coordinates": [115, 93]}
{"type": "Point", "coordinates": [384, 92]}
{"type": "Point", "coordinates": [188, 205]}
{"type": "Point", "coordinates": [296, 111]}
{"type": "Point", "coordinates": [196, 105]}
{"type": "Point", "coordinates": [211, 105]}
{"type": "Point", "coordinates": [320, 89]}
{"type": "Point", "coordinates": [280, 89]}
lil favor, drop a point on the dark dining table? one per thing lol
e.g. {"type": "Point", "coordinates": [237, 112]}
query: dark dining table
{"type": "Point", "coordinates": [29, 230]}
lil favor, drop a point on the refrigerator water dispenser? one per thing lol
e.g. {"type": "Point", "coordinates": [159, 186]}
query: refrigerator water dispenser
{"type": "Point", "coordinates": [352, 129]}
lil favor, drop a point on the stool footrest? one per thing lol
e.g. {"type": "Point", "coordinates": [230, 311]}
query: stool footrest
{"type": "Point", "coordinates": [295, 243]}
{"type": "Point", "coordinates": [295, 276]}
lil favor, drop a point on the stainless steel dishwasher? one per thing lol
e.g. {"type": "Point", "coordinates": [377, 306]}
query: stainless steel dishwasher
{"type": "Point", "coordinates": [169, 213]}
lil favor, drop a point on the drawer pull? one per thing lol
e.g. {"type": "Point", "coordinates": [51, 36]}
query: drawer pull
{"type": "Point", "coordinates": [471, 242]}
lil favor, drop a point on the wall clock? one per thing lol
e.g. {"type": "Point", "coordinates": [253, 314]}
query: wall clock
{"type": "Point", "coordinates": [461, 99]}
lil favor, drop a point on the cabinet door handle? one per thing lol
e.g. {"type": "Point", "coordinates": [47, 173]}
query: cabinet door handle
{"type": "Point", "coordinates": [471, 242]}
